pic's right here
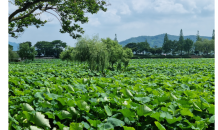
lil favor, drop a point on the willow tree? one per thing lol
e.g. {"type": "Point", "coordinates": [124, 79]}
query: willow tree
{"type": "Point", "coordinates": [67, 54]}
{"type": "Point", "coordinates": [114, 49]}
{"type": "Point", "coordinates": [92, 51]}
{"type": "Point", "coordinates": [127, 54]}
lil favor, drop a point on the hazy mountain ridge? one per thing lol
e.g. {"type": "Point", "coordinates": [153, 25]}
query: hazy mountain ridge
{"type": "Point", "coordinates": [158, 39]}
{"type": "Point", "coordinates": [15, 45]}
{"type": "Point", "coordinates": [152, 40]}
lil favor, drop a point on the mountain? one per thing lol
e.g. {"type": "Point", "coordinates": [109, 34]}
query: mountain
{"type": "Point", "coordinates": [15, 45]}
{"type": "Point", "coordinates": [158, 39]}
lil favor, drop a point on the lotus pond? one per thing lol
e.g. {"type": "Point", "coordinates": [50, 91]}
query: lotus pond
{"type": "Point", "coordinates": [151, 94]}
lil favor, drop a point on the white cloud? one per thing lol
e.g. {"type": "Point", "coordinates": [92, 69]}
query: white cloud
{"type": "Point", "coordinates": [168, 6]}
{"type": "Point", "coordinates": [94, 21]}
{"type": "Point", "coordinates": [132, 25]}
{"type": "Point", "coordinates": [209, 7]}
{"type": "Point", "coordinates": [140, 5]}
{"type": "Point", "coordinates": [110, 16]}
{"type": "Point", "coordinates": [125, 9]}
{"type": "Point", "coordinates": [168, 21]}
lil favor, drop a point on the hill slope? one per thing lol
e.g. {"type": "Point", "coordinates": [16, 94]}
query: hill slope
{"type": "Point", "coordinates": [15, 45]}
{"type": "Point", "coordinates": [158, 39]}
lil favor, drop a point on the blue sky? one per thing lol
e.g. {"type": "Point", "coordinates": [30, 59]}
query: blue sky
{"type": "Point", "coordinates": [132, 18]}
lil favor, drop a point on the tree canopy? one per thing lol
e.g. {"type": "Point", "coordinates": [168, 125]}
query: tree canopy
{"type": "Point", "coordinates": [10, 47]}
{"type": "Point", "coordinates": [99, 54]}
{"type": "Point", "coordinates": [67, 54]}
{"type": "Point", "coordinates": [188, 43]}
{"type": "Point", "coordinates": [204, 46]}
{"type": "Point", "coordinates": [53, 48]}
{"type": "Point", "coordinates": [213, 35]}
{"type": "Point", "coordinates": [26, 51]}
{"type": "Point", "coordinates": [65, 11]}
{"type": "Point", "coordinates": [167, 44]}
{"type": "Point", "coordinates": [181, 41]}
{"type": "Point", "coordinates": [198, 38]}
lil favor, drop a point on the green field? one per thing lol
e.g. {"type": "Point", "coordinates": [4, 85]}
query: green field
{"type": "Point", "coordinates": [151, 94]}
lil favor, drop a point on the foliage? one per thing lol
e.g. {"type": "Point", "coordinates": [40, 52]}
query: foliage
{"type": "Point", "coordinates": [115, 51]}
{"type": "Point", "coordinates": [143, 46]}
{"type": "Point", "coordinates": [67, 11]}
{"type": "Point", "coordinates": [150, 94]}
{"type": "Point", "coordinates": [158, 56]}
{"type": "Point", "coordinates": [53, 48]}
{"type": "Point", "coordinates": [10, 47]}
{"type": "Point", "coordinates": [132, 46]}
{"type": "Point", "coordinates": [167, 45]}
{"type": "Point", "coordinates": [11, 54]}
{"type": "Point", "coordinates": [58, 47]}
{"type": "Point", "coordinates": [26, 51]}
{"type": "Point", "coordinates": [67, 54]}
{"type": "Point", "coordinates": [126, 56]}
{"type": "Point", "coordinates": [198, 38]}
{"type": "Point", "coordinates": [213, 35]}
{"type": "Point", "coordinates": [188, 44]}
{"type": "Point", "coordinates": [181, 42]}
{"type": "Point", "coordinates": [204, 46]}
{"type": "Point", "coordinates": [174, 46]}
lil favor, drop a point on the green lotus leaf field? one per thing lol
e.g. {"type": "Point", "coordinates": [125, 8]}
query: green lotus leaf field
{"type": "Point", "coordinates": [150, 94]}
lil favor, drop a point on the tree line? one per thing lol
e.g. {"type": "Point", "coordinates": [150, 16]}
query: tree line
{"type": "Point", "coordinates": [203, 46]}
{"type": "Point", "coordinates": [98, 54]}
{"type": "Point", "coordinates": [45, 48]}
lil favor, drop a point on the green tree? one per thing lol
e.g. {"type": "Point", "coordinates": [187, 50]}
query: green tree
{"type": "Point", "coordinates": [159, 50]}
{"type": "Point", "coordinates": [58, 47]}
{"type": "Point", "coordinates": [39, 48]}
{"type": "Point", "coordinates": [181, 42]}
{"type": "Point", "coordinates": [114, 51]}
{"type": "Point", "coordinates": [126, 56]}
{"type": "Point", "coordinates": [167, 45]}
{"type": "Point", "coordinates": [204, 46]}
{"type": "Point", "coordinates": [93, 51]}
{"type": "Point", "coordinates": [67, 54]}
{"type": "Point", "coordinates": [10, 47]}
{"type": "Point", "coordinates": [146, 46]}
{"type": "Point", "coordinates": [198, 45]}
{"type": "Point", "coordinates": [213, 35]}
{"type": "Point", "coordinates": [208, 46]}
{"type": "Point", "coordinates": [174, 46]}
{"type": "Point", "coordinates": [11, 54]}
{"type": "Point", "coordinates": [188, 43]}
{"type": "Point", "coordinates": [212, 44]}
{"type": "Point", "coordinates": [26, 51]}
{"type": "Point", "coordinates": [152, 50]}
{"type": "Point", "coordinates": [198, 38]}
{"type": "Point", "coordinates": [66, 11]}
{"type": "Point", "coordinates": [140, 47]}
{"type": "Point", "coordinates": [132, 46]}
{"type": "Point", "coordinates": [143, 47]}
{"type": "Point", "coordinates": [53, 48]}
